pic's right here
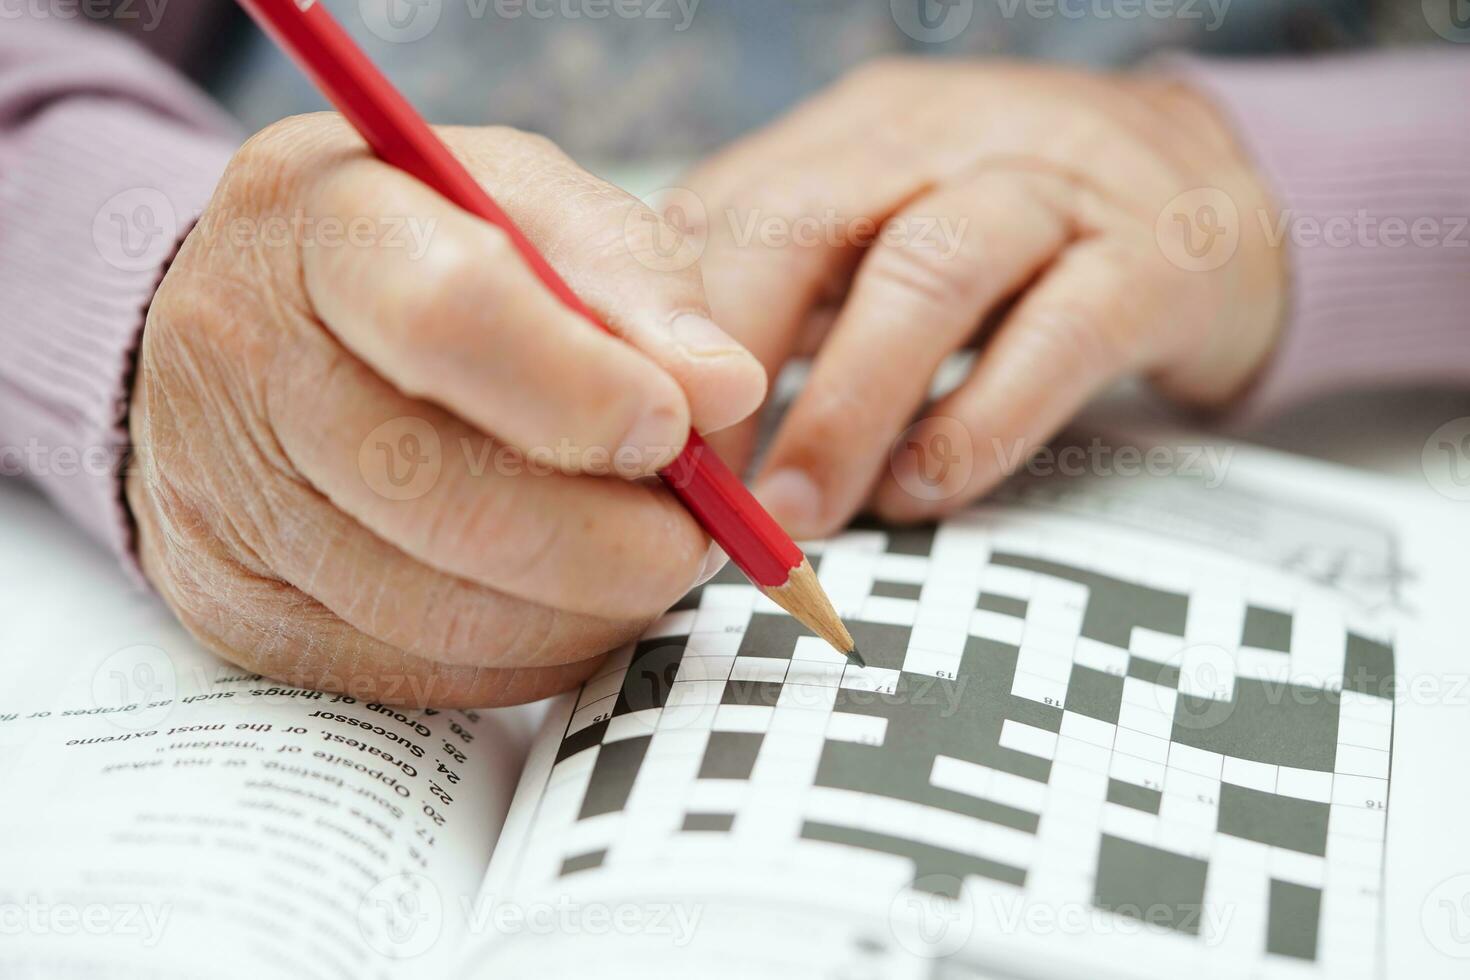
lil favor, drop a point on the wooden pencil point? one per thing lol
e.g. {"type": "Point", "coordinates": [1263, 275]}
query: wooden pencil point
{"type": "Point", "coordinates": [802, 596]}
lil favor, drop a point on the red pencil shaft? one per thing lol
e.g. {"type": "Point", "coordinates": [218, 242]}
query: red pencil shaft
{"type": "Point", "coordinates": [401, 137]}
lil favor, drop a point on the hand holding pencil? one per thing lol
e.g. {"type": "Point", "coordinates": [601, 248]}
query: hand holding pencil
{"type": "Point", "coordinates": [311, 513]}
{"type": "Point", "coordinates": [398, 135]}
{"type": "Point", "coordinates": [449, 562]}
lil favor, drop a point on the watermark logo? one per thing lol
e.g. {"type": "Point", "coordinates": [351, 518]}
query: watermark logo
{"type": "Point", "coordinates": [1450, 19]}
{"type": "Point", "coordinates": [1445, 917]}
{"type": "Point", "coordinates": [673, 922]}
{"type": "Point", "coordinates": [401, 917]}
{"type": "Point", "coordinates": [406, 21]}
{"type": "Point", "coordinates": [670, 235]}
{"type": "Point", "coordinates": [675, 237]}
{"type": "Point", "coordinates": [1199, 231]}
{"type": "Point", "coordinates": [1210, 14]}
{"type": "Point", "coordinates": [933, 918]}
{"type": "Point", "coordinates": [135, 687]}
{"type": "Point", "coordinates": [678, 13]}
{"type": "Point", "coordinates": [1011, 915]}
{"type": "Point", "coordinates": [933, 459]}
{"type": "Point", "coordinates": [135, 229]}
{"type": "Point", "coordinates": [688, 693]}
{"type": "Point", "coordinates": [932, 21]}
{"type": "Point", "coordinates": [401, 459]}
{"type": "Point", "coordinates": [300, 231]}
{"type": "Point", "coordinates": [1446, 459]}
{"type": "Point", "coordinates": [1205, 695]}
{"type": "Point", "coordinates": [1208, 464]}
{"type": "Point", "coordinates": [400, 21]}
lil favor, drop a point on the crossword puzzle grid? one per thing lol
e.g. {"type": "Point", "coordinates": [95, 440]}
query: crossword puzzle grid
{"type": "Point", "coordinates": [1037, 715]}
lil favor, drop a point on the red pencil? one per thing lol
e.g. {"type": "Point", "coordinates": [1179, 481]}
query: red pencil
{"type": "Point", "coordinates": [400, 137]}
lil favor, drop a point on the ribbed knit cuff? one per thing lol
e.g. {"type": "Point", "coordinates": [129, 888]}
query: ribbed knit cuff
{"type": "Point", "coordinates": [1368, 160]}
{"type": "Point", "coordinates": [95, 190]}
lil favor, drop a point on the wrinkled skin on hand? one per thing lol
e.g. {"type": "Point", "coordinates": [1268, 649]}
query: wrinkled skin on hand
{"type": "Point", "coordinates": [374, 455]}
{"type": "Point", "coordinates": [1075, 227]}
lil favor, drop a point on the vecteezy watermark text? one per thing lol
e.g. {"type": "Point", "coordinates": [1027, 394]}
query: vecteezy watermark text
{"type": "Point", "coordinates": [32, 916]}
{"type": "Point", "coordinates": [677, 240]}
{"type": "Point", "coordinates": [1210, 13]}
{"type": "Point", "coordinates": [404, 915]}
{"type": "Point", "coordinates": [940, 21]}
{"type": "Point", "coordinates": [146, 14]}
{"type": "Point", "coordinates": [406, 21]}
{"type": "Point", "coordinates": [411, 233]}
{"type": "Point", "coordinates": [38, 459]}
{"type": "Point", "coordinates": [1201, 229]}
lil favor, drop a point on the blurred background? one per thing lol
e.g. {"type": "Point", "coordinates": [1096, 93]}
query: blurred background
{"type": "Point", "coordinates": [675, 78]}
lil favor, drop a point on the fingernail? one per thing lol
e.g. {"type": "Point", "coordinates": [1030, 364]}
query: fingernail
{"type": "Point", "coordinates": [714, 560]}
{"type": "Point", "coordinates": [653, 436]}
{"type": "Point", "coordinates": [792, 497]}
{"type": "Point", "coordinates": [700, 336]}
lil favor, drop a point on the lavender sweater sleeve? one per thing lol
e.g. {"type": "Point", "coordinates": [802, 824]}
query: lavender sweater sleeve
{"type": "Point", "coordinates": [1368, 160]}
{"type": "Point", "coordinates": [105, 156]}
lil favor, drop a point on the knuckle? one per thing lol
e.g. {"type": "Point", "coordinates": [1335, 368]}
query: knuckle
{"type": "Point", "coordinates": [668, 242]}
{"type": "Point", "coordinates": [685, 210]}
{"type": "Point", "coordinates": [504, 154]}
{"type": "Point", "coordinates": [209, 594]}
{"type": "Point", "coordinates": [350, 193]}
{"type": "Point", "coordinates": [448, 287]}
{"type": "Point", "coordinates": [924, 275]}
{"type": "Point", "coordinates": [269, 148]}
{"type": "Point", "coordinates": [283, 151]}
{"type": "Point", "coordinates": [784, 212]}
{"type": "Point", "coordinates": [785, 194]}
{"type": "Point", "coordinates": [1066, 336]}
{"type": "Point", "coordinates": [607, 238]}
{"type": "Point", "coordinates": [596, 410]}
{"type": "Point", "coordinates": [492, 248]}
{"type": "Point", "coordinates": [194, 606]}
{"type": "Point", "coordinates": [523, 141]}
{"type": "Point", "coordinates": [1090, 326]}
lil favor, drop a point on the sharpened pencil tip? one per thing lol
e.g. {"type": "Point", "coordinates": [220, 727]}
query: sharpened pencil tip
{"type": "Point", "coordinates": [802, 597]}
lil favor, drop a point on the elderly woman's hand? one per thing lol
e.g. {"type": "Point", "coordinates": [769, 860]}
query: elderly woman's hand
{"type": "Point", "coordinates": [375, 455]}
{"type": "Point", "coordinates": [1105, 224]}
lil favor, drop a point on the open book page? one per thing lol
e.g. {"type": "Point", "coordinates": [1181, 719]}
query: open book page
{"type": "Point", "coordinates": [1118, 724]}
{"type": "Point", "coordinates": [165, 814]}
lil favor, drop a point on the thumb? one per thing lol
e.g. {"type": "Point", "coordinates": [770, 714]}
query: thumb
{"type": "Point", "coordinates": [636, 270]}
